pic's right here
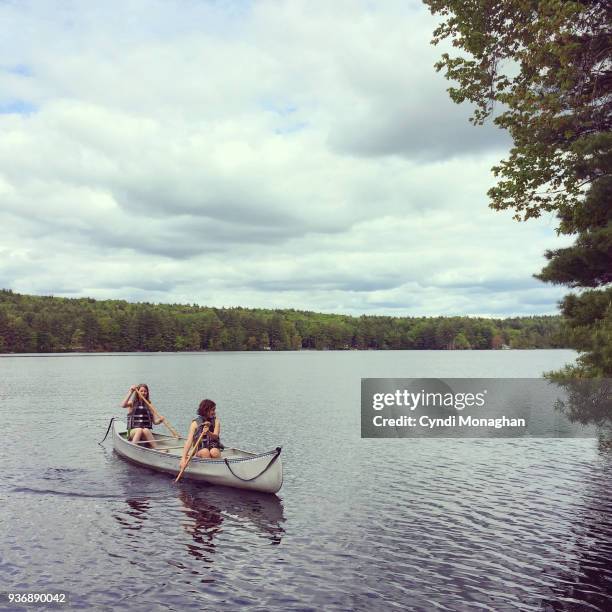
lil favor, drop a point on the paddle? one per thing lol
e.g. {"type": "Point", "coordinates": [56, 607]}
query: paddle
{"type": "Point", "coordinates": [156, 414]}
{"type": "Point", "coordinates": [193, 450]}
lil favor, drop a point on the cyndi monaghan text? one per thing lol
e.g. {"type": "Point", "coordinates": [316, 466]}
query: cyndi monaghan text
{"type": "Point", "coordinates": [450, 421]}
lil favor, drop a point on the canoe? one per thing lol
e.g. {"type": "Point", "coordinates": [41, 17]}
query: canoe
{"type": "Point", "coordinates": [235, 468]}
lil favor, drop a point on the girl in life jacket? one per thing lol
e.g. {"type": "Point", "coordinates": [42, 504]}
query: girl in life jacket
{"type": "Point", "coordinates": [210, 446]}
{"type": "Point", "coordinates": [140, 419]}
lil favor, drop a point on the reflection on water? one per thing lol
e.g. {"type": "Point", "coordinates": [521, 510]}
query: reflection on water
{"type": "Point", "coordinates": [133, 519]}
{"type": "Point", "coordinates": [204, 524]}
{"type": "Point", "coordinates": [203, 511]}
{"type": "Point", "coordinates": [589, 401]}
{"type": "Point", "coordinates": [206, 511]}
{"type": "Point", "coordinates": [588, 581]}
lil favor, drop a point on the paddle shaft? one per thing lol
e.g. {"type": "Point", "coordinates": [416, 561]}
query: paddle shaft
{"type": "Point", "coordinates": [156, 414]}
{"type": "Point", "coordinates": [193, 451]}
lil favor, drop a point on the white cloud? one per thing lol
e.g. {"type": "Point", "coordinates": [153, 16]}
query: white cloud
{"type": "Point", "coordinates": [278, 154]}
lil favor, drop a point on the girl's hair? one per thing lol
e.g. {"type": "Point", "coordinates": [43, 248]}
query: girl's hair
{"type": "Point", "coordinates": [205, 408]}
{"type": "Point", "coordinates": [137, 397]}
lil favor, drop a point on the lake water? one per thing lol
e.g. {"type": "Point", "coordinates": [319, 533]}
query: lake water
{"type": "Point", "coordinates": [432, 524]}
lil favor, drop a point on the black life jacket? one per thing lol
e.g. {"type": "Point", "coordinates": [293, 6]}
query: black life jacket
{"type": "Point", "coordinates": [206, 440]}
{"type": "Point", "coordinates": [140, 417]}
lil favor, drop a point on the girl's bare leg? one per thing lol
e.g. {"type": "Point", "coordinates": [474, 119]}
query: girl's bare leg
{"type": "Point", "coordinates": [136, 435]}
{"type": "Point", "coordinates": [148, 436]}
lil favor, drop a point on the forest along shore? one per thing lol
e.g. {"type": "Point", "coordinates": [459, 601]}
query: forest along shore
{"type": "Point", "coordinates": [46, 324]}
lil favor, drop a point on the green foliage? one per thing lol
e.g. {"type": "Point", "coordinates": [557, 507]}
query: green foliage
{"type": "Point", "coordinates": [588, 322]}
{"type": "Point", "coordinates": [547, 65]}
{"type": "Point", "coordinates": [588, 262]}
{"type": "Point", "coordinates": [461, 342]}
{"type": "Point", "coordinates": [50, 324]}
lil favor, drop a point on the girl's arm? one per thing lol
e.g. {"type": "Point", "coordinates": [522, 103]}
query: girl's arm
{"type": "Point", "coordinates": [215, 434]}
{"type": "Point", "coordinates": [188, 443]}
{"type": "Point", "coordinates": [126, 402]}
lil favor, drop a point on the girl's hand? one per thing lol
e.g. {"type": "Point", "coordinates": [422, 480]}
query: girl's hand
{"type": "Point", "coordinates": [133, 388]}
{"type": "Point", "coordinates": [161, 419]}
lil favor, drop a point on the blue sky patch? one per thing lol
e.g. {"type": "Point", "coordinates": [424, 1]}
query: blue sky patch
{"type": "Point", "coordinates": [17, 107]}
{"type": "Point", "coordinates": [21, 70]}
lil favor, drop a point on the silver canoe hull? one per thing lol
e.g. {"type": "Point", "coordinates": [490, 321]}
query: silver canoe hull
{"type": "Point", "coordinates": [236, 468]}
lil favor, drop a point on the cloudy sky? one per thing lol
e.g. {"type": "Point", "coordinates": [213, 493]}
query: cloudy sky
{"type": "Point", "coordinates": [297, 154]}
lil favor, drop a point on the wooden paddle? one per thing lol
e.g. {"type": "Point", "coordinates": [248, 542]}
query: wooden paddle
{"type": "Point", "coordinates": [193, 450]}
{"type": "Point", "coordinates": [156, 414]}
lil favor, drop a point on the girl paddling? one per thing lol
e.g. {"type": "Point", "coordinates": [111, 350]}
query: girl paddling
{"type": "Point", "coordinates": [140, 418]}
{"type": "Point", "coordinates": [210, 446]}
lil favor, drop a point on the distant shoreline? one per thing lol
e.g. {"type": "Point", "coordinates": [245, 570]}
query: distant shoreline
{"type": "Point", "coordinates": [47, 324]}
{"type": "Point", "coordinates": [206, 352]}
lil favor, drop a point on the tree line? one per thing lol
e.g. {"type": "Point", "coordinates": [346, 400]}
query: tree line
{"type": "Point", "coordinates": [38, 324]}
